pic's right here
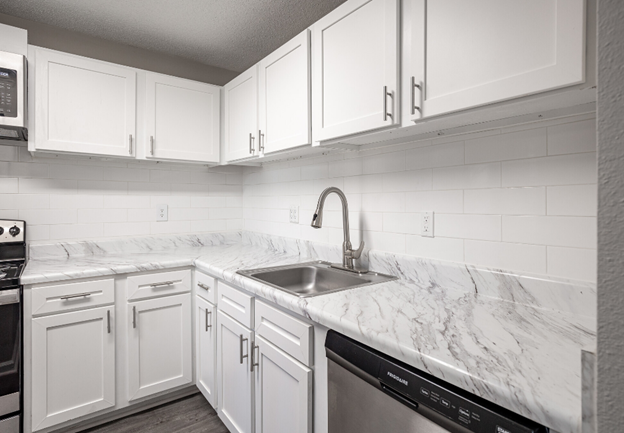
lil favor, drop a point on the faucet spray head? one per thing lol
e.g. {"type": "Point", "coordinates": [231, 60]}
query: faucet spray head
{"type": "Point", "coordinates": [317, 219]}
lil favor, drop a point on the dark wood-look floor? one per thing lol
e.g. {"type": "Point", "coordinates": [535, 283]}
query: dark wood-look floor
{"type": "Point", "coordinates": [189, 415]}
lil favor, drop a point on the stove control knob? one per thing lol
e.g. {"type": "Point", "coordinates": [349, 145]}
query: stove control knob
{"type": "Point", "coordinates": [1, 231]}
{"type": "Point", "coordinates": [14, 231]}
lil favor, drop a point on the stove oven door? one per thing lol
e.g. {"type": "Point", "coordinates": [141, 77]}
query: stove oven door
{"type": "Point", "coordinates": [10, 356]}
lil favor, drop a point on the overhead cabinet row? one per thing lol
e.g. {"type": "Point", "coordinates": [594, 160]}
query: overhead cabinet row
{"type": "Point", "coordinates": [369, 65]}
{"type": "Point", "coordinates": [92, 107]}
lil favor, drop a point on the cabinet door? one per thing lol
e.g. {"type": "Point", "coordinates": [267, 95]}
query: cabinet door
{"type": "Point", "coordinates": [205, 349]}
{"type": "Point", "coordinates": [285, 96]}
{"type": "Point", "coordinates": [182, 119]}
{"type": "Point", "coordinates": [73, 365]}
{"type": "Point", "coordinates": [465, 54]}
{"type": "Point", "coordinates": [241, 116]}
{"type": "Point", "coordinates": [355, 64]}
{"type": "Point", "coordinates": [84, 105]}
{"type": "Point", "coordinates": [159, 345]}
{"type": "Point", "coordinates": [283, 392]}
{"type": "Point", "coordinates": [234, 376]}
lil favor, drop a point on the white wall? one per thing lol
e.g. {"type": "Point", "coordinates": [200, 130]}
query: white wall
{"type": "Point", "coordinates": [75, 198]}
{"type": "Point", "coordinates": [522, 198]}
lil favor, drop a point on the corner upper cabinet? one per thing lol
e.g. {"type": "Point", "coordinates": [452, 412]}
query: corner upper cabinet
{"type": "Point", "coordinates": [355, 65]}
{"type": "Point", "coordinates": [284, 97]}
{"type": "Point", "coordinates": [241, 116]}
{"type": "Point", "coordinates": [182, 119]}
{"type": "Point", "coordinates": [83, 105]}
{"type": "Point", "coordinates": [459, 54]}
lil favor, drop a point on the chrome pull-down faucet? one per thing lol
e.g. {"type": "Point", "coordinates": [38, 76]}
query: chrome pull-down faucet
{"type": "Point", "coordinates": [348, 254]}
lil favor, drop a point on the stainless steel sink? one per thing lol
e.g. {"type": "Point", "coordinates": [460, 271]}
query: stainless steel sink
{"type": "Point", "coordinates": [313, 278]}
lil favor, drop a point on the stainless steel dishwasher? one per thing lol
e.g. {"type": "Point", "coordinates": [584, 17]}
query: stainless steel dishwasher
{"type": "Point", "coordinates": [369, 392]}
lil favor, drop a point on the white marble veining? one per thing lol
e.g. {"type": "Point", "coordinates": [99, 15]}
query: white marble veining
{"type": "Point", "coordinates": [515, 340]}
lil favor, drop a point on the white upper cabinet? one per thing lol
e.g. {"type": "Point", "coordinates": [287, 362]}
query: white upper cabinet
{"type": "Point", "coordinates": [284, 86]}
{"type": "Point", "coordinates": [182, 119]}
{"type": "Point", "coordinates": [355, 68]}
{"type": "Point", "coordinates": [83, 105]}
{"type": "Point", "coordinates": [465, 54]}
{"type": "Point", "coordinates": [241, 116]}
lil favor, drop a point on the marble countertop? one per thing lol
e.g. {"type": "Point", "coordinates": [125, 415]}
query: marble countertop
{"type": "Point", "coordinates": [517, 354]}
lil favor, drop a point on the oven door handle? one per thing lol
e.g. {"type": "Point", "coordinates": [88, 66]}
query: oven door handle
{"type": "Point", "coordinates": [8, 297]}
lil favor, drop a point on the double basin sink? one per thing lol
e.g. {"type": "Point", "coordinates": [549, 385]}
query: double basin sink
{"type": "Point", "coordinates": [314, 278]}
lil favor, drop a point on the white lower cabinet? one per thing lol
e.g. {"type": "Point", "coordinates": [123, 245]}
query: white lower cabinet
{"type": "Point", "coordinates": [205, 349]}
{"type": "Point", "coordinates": [283, 402]}
{"type": "Point", "coordinates": [73, 365]}
{"type": "Point", "coordinates": [234, 375]}
{"type": "Point", "coordinates": [159, 345]}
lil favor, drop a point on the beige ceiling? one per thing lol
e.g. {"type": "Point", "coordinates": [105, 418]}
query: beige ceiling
{"type": "Point", "coordinates": [230, 34]}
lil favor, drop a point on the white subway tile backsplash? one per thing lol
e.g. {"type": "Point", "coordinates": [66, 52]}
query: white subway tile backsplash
{"type": "Point", "coordinates": [573, 200]}
{"type": "Point", "coordinates": [316, 171]}
{"type": "Point", "coordinates": [347, 167]}
{"type": "Point", "coordinates": [102, 215]}
{"type": "Point", "coordinates": [363, 184]}
{"type": "Point", "coordinates": [8, 201]}
{"type": "Point", "coordinates": [48, 216]}
{"type": "Point", "coordinates": [126, 229]}
{"type": "Point", "coordinates": [102, 187]}
{"type": "Point", "coordinates": [126, 201]}
{"type": "Point", "coordinates": [575, 137]}
{"type": "Point", "coordinates": [44, 186]}
{"type": "Point", "coordinates": [77, 201]}
{"type": "Point", "coordinates": [552, 170]}
{"type": "Point", "coordinates": [574, 263]}
{"type": "Point", "coordinates": [75, 171]}
{"type": "Point", "coordinates": [467, 176]}
{"type": "Point", "coordinates": [37, 233]}
{"type": "Point", "coordinates": [407, 223]}
{"type": "Point", "coordinates": [383, 202]}
{"type": "Point", "coordinates": [507, 256]}
{"type": "Point", "coordinates": [579, 232]}
{"type": "Point", "coordinates": [75, 231]}
{"type": "Point", "coordinates": [506, 201]}
{"type": "Point", "coordinates": [522, 144]}
{"type": "Point", "coordinates": [126, 174]}
{"type": "Point", "coordinates": [21, 169]}
{"type": "Point", "coordinates": [413, 180]}
{"type": "Point", "coordinates": [483, 227]}
{"type": "Point", "coordinates": [31, 201]}
{"type": "Point", "coordinates": [435, 201]}
{"type": "Point", "coordinates": [383, 163]}
{"type": "Point", "coordinates": [442, 155]}
{"type": "Point", "coordinates": [435, 248]}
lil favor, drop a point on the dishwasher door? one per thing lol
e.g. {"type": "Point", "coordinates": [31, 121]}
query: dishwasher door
{"type": "Point", "coordinates": [356, 406]}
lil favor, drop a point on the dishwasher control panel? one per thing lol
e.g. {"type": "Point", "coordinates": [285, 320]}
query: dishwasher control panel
{"type": "Point", "coordinates": [470, 413]}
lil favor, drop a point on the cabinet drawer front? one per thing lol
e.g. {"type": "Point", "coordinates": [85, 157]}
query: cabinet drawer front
{"type": "Point", "coordinates": [72, 296]}
{"type": "Point", "coordinates": [291, 335]}
{"type": "Point", "coordinates": [206, 287]}
{"type": "Point", "coordinates": [236, 304]}
{"type": "Point", "coordinates": [160, 284]}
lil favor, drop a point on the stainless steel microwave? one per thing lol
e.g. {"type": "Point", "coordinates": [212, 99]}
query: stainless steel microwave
{"type": "Point", "coordinates": [13, 97]}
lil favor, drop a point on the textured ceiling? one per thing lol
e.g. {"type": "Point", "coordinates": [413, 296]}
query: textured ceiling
{"type": "Point", "coordinates": [231, 34]}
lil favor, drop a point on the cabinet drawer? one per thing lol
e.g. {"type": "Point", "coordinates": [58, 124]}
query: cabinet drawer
{"type": "Point", "coordinates": [72, 296]}
{"type": "Point", "coordinates": [160, 284]}
{"type": "Point", "coordinates": [291, 335]}
{"type": "Point", "coordinates": [206, 287]}
{"type": "Point", "coordinates": [235, 304]}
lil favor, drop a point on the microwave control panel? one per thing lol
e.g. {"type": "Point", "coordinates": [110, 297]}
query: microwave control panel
{"type": "Point", "coordinates": [8, 93]}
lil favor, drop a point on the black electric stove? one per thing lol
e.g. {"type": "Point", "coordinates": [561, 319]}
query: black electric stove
{"type": "Point", "coordinates": [12, 262]}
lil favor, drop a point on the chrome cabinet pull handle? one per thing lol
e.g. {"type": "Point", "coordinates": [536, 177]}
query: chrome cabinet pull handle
{"type": "Point", "coordinates": [251, 140]}
{"type": "Point", "coordinates": [164, 283]}
{"type": "Point", "coordinates": [134, 317]}
{"type": "Point", "coordinates": [151, 145]}
{"type": "Point", "coordinates": [208, 315]}
{"type": "Point", "coordinates": [257, 360]}
{"type": "Point", "coordinates": [108, 321]}
{"type": "Point", "coordinates": [414, 86]}
{"type": "Point", "coordinates": [203, 286]}
{"type": "Point", "coordinates": [130, 144]}
{"type": "Point", "coordinates": [260, 141]}
{"type": "Point", "coordinates": [242, 340]}
{"type": "Point", "coordinates": [385, 104]}
{"type": "Point", "coordinates": [79, 295]}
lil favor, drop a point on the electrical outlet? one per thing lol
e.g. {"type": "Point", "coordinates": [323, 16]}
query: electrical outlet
{"type": "Point", "coordinates": [294, 214]}
{"type": "Point", "coordinates": [162, 212]}
{"type": "Point", "coordinates": [427, 224]}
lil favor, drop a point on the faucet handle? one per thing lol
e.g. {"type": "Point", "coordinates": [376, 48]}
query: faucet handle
{"type": "Point", "coordinates": [355, 254]}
